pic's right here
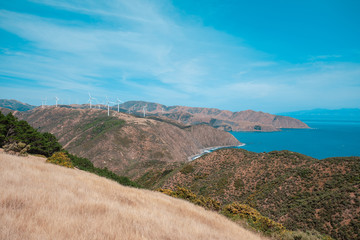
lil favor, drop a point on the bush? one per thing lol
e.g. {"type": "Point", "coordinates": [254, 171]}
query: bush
{"type": "Point", "coordinates": [299, 235]}
{"type": "Point", "coordinates": [237, 210]}
{"type": "Point", "coordinates": [60, 158]}
{"type": "Point", "coordinates": [19, 148]}
{"type": "Point", "coordinates": [187, 169]}
{"type": "Point", "coordinates": [183, 193]}
{"type": "Point", "coordinates": [86, 165]}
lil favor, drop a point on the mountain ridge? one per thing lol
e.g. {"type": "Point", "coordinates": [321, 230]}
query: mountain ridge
{"type": "Point", "coordinates": [15, 105]}
{"type": "Point", "coordinates": [121, 140]}
{"type": "Point", "coordinates": [247, 120]}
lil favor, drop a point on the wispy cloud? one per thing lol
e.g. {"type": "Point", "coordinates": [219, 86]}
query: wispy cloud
{"type": "Point", "coordinates": [146, 50]}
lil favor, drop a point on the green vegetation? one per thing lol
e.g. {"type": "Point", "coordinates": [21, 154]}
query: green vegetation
{"type": "Point", "coordinates": [295, 190]}
{"type": "Point", "coordinates": [188, 168]}
{"type": "Point", "coordinates": [299, 235]}
{"type": "Point", "coordinates": [244, 213]}
{"type": "Point", "coordinates": [101, 124]}
{"type": "Point", "coordinates": [85, 165]}
{"type": "Point", "coordinates": [183, 193]}
{"type": "Point", "coordinates": [14, 132]}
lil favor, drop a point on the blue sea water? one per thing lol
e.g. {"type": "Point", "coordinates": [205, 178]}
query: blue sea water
{"type": "Point", "coordinates": [324, 139]}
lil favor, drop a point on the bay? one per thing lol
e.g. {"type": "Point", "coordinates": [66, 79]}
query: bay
{"type": "Point", "coordinates": [324, 139]}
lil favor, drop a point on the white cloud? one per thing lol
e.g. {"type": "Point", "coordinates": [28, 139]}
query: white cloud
{"type": "Point", "coordinates": [145, 49]}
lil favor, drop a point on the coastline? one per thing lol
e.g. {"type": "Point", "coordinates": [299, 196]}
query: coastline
{"type": "Point", "coordinates": [211, 149]}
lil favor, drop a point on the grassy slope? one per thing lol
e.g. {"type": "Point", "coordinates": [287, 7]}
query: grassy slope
{"type": "Point", "coordinates": [296, 190]}
{"type": "Point", "coordinates": [43, 201]}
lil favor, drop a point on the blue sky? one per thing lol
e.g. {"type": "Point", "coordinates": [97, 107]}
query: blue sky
{"type": "Point", "coordinates": [270, 56]}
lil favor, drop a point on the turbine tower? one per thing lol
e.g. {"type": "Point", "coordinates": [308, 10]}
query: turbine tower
{"type": "Point", "coordinates": [56, 99]}
{"type": "Point", "coordinates": [144, 111]}
{"type": "Point", "coordinates": [90, 99]}
{"type": "Point", "coordinates": [43, 102]}
{"type": "Point", "coordinates": [118, 103]}
{"type": "Point", "coordinates": [108, 105]}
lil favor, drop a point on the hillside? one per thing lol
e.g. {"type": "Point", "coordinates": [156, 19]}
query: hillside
{"type": "Point", "coordinates": [15, 105]}
{"type": "Point", "coordinates": [229, 121]}
{"type": "Point", "coordinates": [121, 140]}
{"type": "Point", "coordinates": [291, 188]}
{"type": "Point", "coordinates": [59, 203]}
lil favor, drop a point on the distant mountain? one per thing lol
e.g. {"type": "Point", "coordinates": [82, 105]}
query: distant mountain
{"type": "Point", "coordinates": [222, 119]}
{"type": "Point", "coordinates": [296, 190]}
{"type": "Point", "coordinates": [121, 141]}
{"type": "Point", "coordinates": [349, 114]}
{"type": "Point", "coordinates": [15, 105]}
{"type": "Point", "coordinates": [226, 120]}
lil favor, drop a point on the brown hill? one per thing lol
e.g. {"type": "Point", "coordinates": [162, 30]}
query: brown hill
{"type": "Point", "coordinates": [230, 121]}
{"type": "Point", "coordinates": [121, 140]}
{"type": "Point", "coordinates": [40, 200]}
{"type": "Point", "coordinates": [226, 120]}
{"type": "Point", "coordinates": [291, 188]}
{"type": "Point", "coordinates": [15, 105]}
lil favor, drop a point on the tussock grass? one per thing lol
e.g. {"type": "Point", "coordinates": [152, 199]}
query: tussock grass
{"type": "Point", "coordinates": [44, 201]}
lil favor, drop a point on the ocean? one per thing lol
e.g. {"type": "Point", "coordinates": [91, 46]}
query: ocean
{"type": "Point", "coordinates": [324, 139]}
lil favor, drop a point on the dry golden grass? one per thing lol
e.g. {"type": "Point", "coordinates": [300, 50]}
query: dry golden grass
{"type": "Point", "coordinates": [40, 200]}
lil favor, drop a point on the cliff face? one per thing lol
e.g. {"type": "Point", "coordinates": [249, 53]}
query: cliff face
{"type": "Point", "coordinates": [121, 140]}
{"type": "Point", "coordinates": [226, 120]}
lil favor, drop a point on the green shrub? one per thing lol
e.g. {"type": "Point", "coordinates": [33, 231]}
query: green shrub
{"type": "Point", "coordinates": [86, 165]}
{"type": "Point", "coordinates": [82, 163]}
{"type": "Point", "coordinates": [299, 235]}
{"type": "Point", "coordinates": [183, 193]}
{"type": "Point", "coordinates": [187, 169]}
{"type": "Point", "coordinates": [12, 130]}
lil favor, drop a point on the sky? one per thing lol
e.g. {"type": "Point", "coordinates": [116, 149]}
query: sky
{"type": "Point", "coordinates": [271, 56]}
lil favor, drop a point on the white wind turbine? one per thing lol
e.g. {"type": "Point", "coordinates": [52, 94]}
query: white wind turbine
{"type": "Point", "coordinates": [56, 99]}
{"type": "Point", "coordinates": [90, 99]}
{"type": "Point", "coordinates": [118, 103]}
{"type": "Point", "coordinates": [108, 105]}
{"type": "Point", "coordinates": [144, 111]}
{"type": "Point", "coordinates": [43, 102]}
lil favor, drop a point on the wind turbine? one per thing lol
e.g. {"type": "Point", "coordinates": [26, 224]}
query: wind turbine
{"type": "Point", "coordinates": [90, 98]}
{"type": "Point", "coordinates": [43, 102]}
{"type": "Point", "coordinates": [56, 99]}
{"type": "Point", "coordinates": [108, 105]}
{"type": "Point", "coordinates": [118, 103]}
{"type": "Point", "coordinates": [144, 111]}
